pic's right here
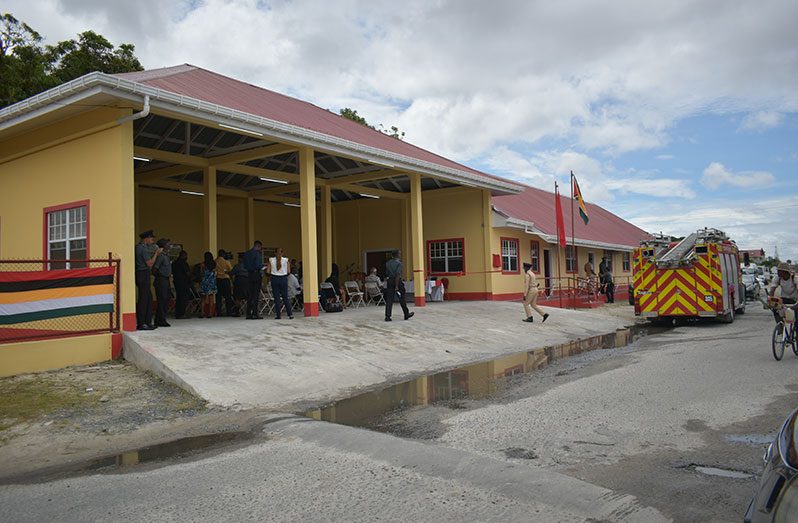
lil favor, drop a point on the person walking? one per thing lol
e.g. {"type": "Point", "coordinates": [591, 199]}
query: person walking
{"type": "Point", "coordinates": [253, 263]}
{"type": "Point", "coordinates": [162, 268]}
{"type": "Point", "coordinates": [224, 287]}
{"type": "Point", "coordinates": [394, 286]}
{"type": "Point", "coordinates": [531, 290]}
{"type": "Point", "coordinates": [181, 275]}
{"type": "Point", "coordinates": [144, 258]}
{"type": "Point", "coordinates": [278, 269]}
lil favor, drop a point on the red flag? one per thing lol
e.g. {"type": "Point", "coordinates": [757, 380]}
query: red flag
{"type": "Point", "coordinates": [560, 220]}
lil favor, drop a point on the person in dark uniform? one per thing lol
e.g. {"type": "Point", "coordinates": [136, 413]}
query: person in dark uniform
{"type": "Point", "coordinates": [253, 263]}
{"type": "Point", "coordinates": [609, 285]}
{"type": "Point", "coordinates": [145, 256]}
{"type": "Point", "coordinates": [162, 268]}
{"type": "Point", "coordinates": [181, 275]}
{"type": "Point", "coordinates": [394, 285]}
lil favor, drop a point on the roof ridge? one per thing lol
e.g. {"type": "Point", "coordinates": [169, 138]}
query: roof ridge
{"type": "Point", "coordinates": [161, 72]}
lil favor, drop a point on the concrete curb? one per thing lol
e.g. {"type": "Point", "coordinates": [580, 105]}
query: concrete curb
{"type": "Point", "coordinates": [142, 358]}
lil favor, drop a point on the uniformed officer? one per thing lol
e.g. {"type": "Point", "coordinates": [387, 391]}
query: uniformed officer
{"type": "Point", "coordinates": [395, 285]}
{"type": "Point", "coordinates": [145, 256]}
{"type": "Point", "coordinates": [253, 263]}
{"type": "Point", "coordinates": [163, 272]}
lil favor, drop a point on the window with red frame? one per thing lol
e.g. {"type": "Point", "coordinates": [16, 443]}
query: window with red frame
{"type": "Point", "coordinates": [570, 258]}
{"type": "Point", "coordinates": [445, 256]}
{"type": "Point", "coordinates": [509, 255]}
{"type": "Point", "coordinates": [535, 256]}
{"type": "Point", "coordinates": [627, 261]}
{"type": "Point", "coordinates": [67, 237]}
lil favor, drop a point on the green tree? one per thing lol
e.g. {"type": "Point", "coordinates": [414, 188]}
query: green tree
{"type": "Point", "coordinates": [22, 64]}
{"type": "Point", "coordinates": [351, 114]}
{"type": "Point", "coordinates": [27, 68]}
{"type": "Point", "coordinates": [71, 59]}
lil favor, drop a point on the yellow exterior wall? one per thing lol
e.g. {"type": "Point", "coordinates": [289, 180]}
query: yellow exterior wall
{"type": "Point", "coordinates": [458, 214]}
{"type": "Point", "coordinates": [97, 167]}
{"type": "Point", "coordinates": [366, 225]}
{"type": "Point", "coordinates": [37, 356]}
{"type": "Point", "coordinates": [179, 217]}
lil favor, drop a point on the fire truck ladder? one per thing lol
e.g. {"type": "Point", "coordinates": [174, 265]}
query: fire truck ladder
{"type": "Point", "coordinates": [680, 251]}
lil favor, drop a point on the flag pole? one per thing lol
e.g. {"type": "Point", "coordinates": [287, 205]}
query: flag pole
{"type": "Point", "coordinates": [559, 273]}
{"type": "Point", "coordinates": [573, 234]}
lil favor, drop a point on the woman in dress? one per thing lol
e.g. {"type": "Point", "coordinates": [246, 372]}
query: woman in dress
{"type": "Point", "coordinates": [208, 286]}
{"type": "Point", "coordinates": [531, 294]}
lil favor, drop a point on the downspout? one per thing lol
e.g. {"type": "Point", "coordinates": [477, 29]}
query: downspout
{"type": "Point", "coordinates": [141, 114]}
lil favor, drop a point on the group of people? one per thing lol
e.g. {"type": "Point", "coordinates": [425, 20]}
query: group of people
{"type": "Point", "coordinates": [222, 287]}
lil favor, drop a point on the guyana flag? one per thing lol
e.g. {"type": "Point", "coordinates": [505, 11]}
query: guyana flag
{"type": "Point", "coordinates": [582, 207]}
{"type": "Point", "coordinates": [43, 295]}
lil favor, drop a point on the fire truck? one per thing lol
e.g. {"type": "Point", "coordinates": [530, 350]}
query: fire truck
{"type": "Point", "coordinates": [698, 277]}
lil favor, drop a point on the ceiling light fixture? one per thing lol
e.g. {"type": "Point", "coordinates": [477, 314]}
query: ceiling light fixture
{"type": "Point", "coordinates": [142, 159]}
{"type": "Point", "coordinates": [192, 193]}
{"type": "Point", "coordinates": [272, 180]}
{"type": "Point", "coordinates": [232, 128]}
{"type": "Point", "coordinates": [292, 205]}
{"type": "Point", "coordinates": [366, 195]}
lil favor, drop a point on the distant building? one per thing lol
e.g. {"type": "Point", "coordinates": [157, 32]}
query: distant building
{"type": "Point", "coordinates": [754, 255]}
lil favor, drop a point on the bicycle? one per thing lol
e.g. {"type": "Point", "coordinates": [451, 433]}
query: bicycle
{"type": "Point", "coordinates": [784, 331]}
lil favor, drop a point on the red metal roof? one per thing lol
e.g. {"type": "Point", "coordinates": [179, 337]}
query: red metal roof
{"type": "Point", "coordinates": [195, 82]}
{"type": "Point", "coordinates": [537, 206]}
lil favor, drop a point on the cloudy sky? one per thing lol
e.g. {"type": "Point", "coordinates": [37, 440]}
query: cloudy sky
{"type": "Point", "coordinates": [674, 114]}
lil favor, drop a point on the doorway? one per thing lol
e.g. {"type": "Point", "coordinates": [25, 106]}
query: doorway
{"type": "Point", "coordinates": [547, 271]}
{"type": "Point", "coordinates": [377, 259]}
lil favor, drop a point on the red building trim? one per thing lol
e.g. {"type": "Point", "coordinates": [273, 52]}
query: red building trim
{"type": "Point", "coordinates": [63, 207]}
{"type": "Point", "coordinates": [116, 345]}
{"type": "Point", "coordinates": [576, 259]}
{"type": "Point", "coordinates": [429, 257]}
{"type": "Point", "coordinates": [129, 321]}
{"type": "Point", "coordinates": [311, 309]}
{"type": "Point", "coordinates": [421, 301]}
{"type": "Point", "coordinates": [534, 261]}
{"type": "Point", "coordinates": [517, 254]}
{"type": "Point", "coordinates": [468, 296]}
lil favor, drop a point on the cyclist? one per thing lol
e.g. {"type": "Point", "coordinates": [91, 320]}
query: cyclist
{"type": "Point", "coordinates": [787, 284]}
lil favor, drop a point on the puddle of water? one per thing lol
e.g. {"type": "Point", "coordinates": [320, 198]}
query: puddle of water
{"type": "Point", "coordinates": [180, 448]}
{"type": "Point", "coordinates": [476, 381]}
{"type": "Point", "coordinates": [724, 473]}
{"type": "Point", "coordinates": [755, 440]}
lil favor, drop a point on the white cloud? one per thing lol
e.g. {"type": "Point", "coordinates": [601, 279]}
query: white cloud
{"type": "Point", "coordinates": [665, 157]}
{"type": "Point", "coordinates": [658, 188]}
{"type": "Point", "coordinates": [761, 121]}
{"type": "Point", "coordinates": [750, 224]}
{"type": "Point", "coordinates": [716, 175]}
{"type": "Point", "coordinates": [463, 77]}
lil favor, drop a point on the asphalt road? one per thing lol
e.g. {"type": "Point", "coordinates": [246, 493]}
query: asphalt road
{"type": "Point", "coordinates": [609, 435]}
{"type": "Point", "coordinates": [640, 420]}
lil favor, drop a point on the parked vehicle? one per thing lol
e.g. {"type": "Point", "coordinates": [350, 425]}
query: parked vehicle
{"type": "Point", "coordinates": [776, 498]}
{"type": "Point", "coordinates": [698, 277]}
{"type": "Point", "coordinates": [752, 286]}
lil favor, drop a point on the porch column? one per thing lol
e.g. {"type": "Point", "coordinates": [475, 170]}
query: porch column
{"type": "Point", "coordinates": [487, 234]}
{"type": "Point", "coordinates": [417, 239]}
{"type": "Point", "coordinates": [307, 200]}
{"type": "Point", "coordinates": [209, 209]}
{"type": "Point", "coordinates": [250, 222]}
{"type": "Point", "coordinates": [326, 229]}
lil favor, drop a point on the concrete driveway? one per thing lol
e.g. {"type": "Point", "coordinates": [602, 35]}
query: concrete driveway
{"type": "Point", "coordinates": [305, 361]}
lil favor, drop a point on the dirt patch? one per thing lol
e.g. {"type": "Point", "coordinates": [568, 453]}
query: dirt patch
{"type": "Point", "coordinates": [53, 412]}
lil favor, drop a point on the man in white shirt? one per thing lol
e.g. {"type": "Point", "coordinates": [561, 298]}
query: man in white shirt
{"type": "Point", "coordinates": [294, 287]}
{"type": "Point", "coordinates": [787, 286]}
{"type": "Point", "coordinates": [373, 277]}
{"type": "Point", "coordinates": [278, 268]}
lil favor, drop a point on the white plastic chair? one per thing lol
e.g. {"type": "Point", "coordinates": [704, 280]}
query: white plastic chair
{"type": "Point", "coordinates": [266, 301]}
{"type": "Point", "coordinates": [374, 294]}
{"type": "Point", "coordinates": [354, 293]}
